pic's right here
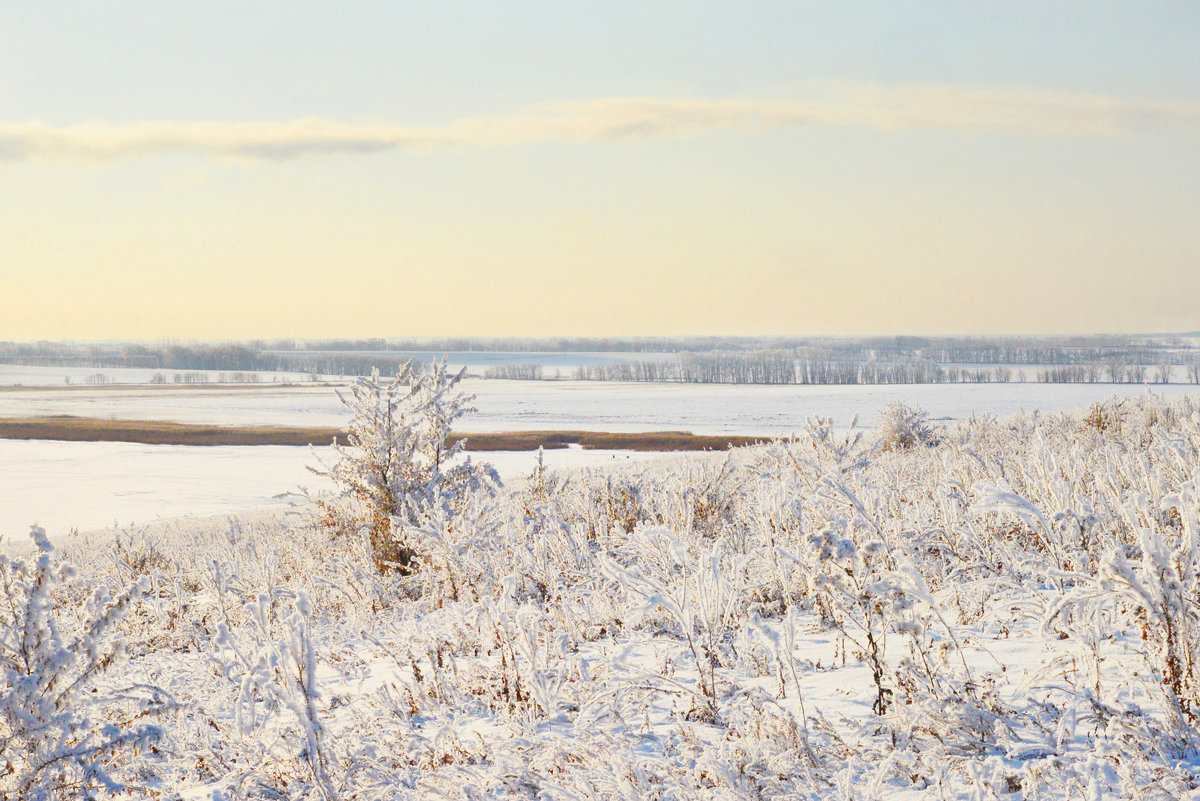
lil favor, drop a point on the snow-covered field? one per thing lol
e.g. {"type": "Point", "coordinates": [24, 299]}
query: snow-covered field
{"type": "Point", "coordinates": [134, 484]}
{"type": "Point", "coordinates": [583, 405]}
{"type": "Point", "coordinates": [90, 485]}
{"type": "Point", "coordinates": [94, 485]}
{"type": "Point", "coordinates": [997, 609]}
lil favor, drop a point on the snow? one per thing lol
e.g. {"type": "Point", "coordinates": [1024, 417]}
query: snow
{"type": "Point", "coordinates": [696, 627]}
{"type": "Point", "coordinates": [581, 405]}
{"type": "Point", "coordinates": [707, 627]}
{"type": "Point", "coordinates": [92, 485]}
{"type": "Point", "coordinates": [134, 484]}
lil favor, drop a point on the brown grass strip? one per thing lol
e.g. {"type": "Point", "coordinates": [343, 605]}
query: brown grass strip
{"type": "Point", "coordinates": [150, 432]}
{"type": "Point", "coordinates": [158, 389]}
{"type": "Point", "coordinates": [605, 440]}
{"type": "Point", "coordinates": [65, 428]}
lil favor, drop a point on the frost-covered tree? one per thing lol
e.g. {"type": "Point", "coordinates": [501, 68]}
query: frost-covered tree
{"type": "Point", "coordinates": [396, 469]}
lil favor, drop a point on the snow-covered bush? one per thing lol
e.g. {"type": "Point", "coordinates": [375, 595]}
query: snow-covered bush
{"type": "Point", "coordinates": [1007, 612]}
{"type": "Point", "coordinates": [704, 603]}
{"type": "Point", "coordinates": [1156, 579]}
{"type": "Point", "coordinates": [397, 468]}
{"type": "Point", "coordinates": [903, 426]}
{"type": "Point", "coordinates": [859, 597]}
{"type": "Point", "coordinates": [274, 663]}
{"type": "Point", "coordinates": [67, 720]}
{"type": "Point", "coordinates": [1105, 416]}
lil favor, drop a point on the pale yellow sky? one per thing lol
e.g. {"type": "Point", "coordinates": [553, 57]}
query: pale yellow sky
{"type": "Point", "coordinates": [998, 188]}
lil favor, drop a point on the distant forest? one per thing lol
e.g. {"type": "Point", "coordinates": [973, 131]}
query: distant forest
{"type": "Point", "coordinates": [731, 360]}
{"type": "Point", "coordinates": [784, 367]}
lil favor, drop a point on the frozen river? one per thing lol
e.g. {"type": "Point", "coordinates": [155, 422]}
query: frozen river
{"type": "Point", "coordinates": [93, 485]}
{"type": "Point", "coordinates": [532, 405]}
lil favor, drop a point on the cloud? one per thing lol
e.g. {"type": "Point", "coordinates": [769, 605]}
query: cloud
{"type": "Point", "coordinates": [615, 119]}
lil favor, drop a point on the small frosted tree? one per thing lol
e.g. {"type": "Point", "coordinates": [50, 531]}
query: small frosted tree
{"type": "Point", "coordinates": [393, 474]}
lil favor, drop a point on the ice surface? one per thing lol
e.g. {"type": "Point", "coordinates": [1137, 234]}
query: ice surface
{"type": "Point", "coordinates": [93, 485]}
{"type": "Point", "coordinates": [542, 405]}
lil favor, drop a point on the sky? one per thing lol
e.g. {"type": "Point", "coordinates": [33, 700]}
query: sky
{"type": "Point", "coordinates": [226, 170]}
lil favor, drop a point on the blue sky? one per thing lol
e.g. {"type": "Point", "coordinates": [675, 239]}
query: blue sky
{"type": "Point", "coordinates": [597, 168]}
{"type": "Point", "coordinates": [417, 62]}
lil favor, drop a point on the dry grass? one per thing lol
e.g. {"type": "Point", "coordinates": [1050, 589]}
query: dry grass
{"type": "Point", "coordinates": [603, 440]}
{"type": "Point", "coordinates": [148, 432]}
{"type": "Point", "coordinates": [158, 389]}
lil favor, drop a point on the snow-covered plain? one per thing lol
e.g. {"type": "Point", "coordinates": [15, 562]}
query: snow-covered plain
{"type": "Point", "coordinates": [134, 484]}
{"type": "Point", "coordinates": [997, 610]}
{"type": "Point", "coordinates": [583, 405]}
{"type": "Point", "coordinates": [90, 485]}
{"type": "Point", "coordinates": [86, 486]}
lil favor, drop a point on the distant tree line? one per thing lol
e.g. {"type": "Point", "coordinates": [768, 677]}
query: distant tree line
{"type": "Point", "coordinates": [524, 345]}
{"type": "Point", "coordinates": [519, 372]}
{"type": "Point", "coordinates": [732, 360]}
{"type": "Point", "coordinates": [782, 367]}
{"type": "Point", "coordinates": [1116, 370]}
{"type": "Point", "coordinates": [233, 358]}
{"type": "Point", "coordinates": [1032, 355]}
{"type": "Point", "coordinates": [943, 350]}
{"type": "Point", "coordinates": [1070, 374]}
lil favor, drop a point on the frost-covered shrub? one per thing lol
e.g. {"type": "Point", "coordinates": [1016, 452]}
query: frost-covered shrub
{"type": "Point", "coordinates": [845, 452]}
{"type": "Point", "coordinates": [712, 492]}
{"type": "Point", "coordinates": [66, 718]}
{"type": "Point", "coordinates": [859, 596]}
{"type": "Point", "coordinates": [274, 662]}
{"type": "Point", "coordinates": [1011, 614]}
{"type": "Point", "coordinates": [902, 426]}
{"type": "Point", "coordinates": [396, 470]}
{"type": "Point", "coordinates": [705, 601]}
{"type": "Point", "coordinates": [1105, 416]}
{"type": "Point", "coordinates": [1157, 580]}
{"type": "Point", "coordinates": [613, 505]}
